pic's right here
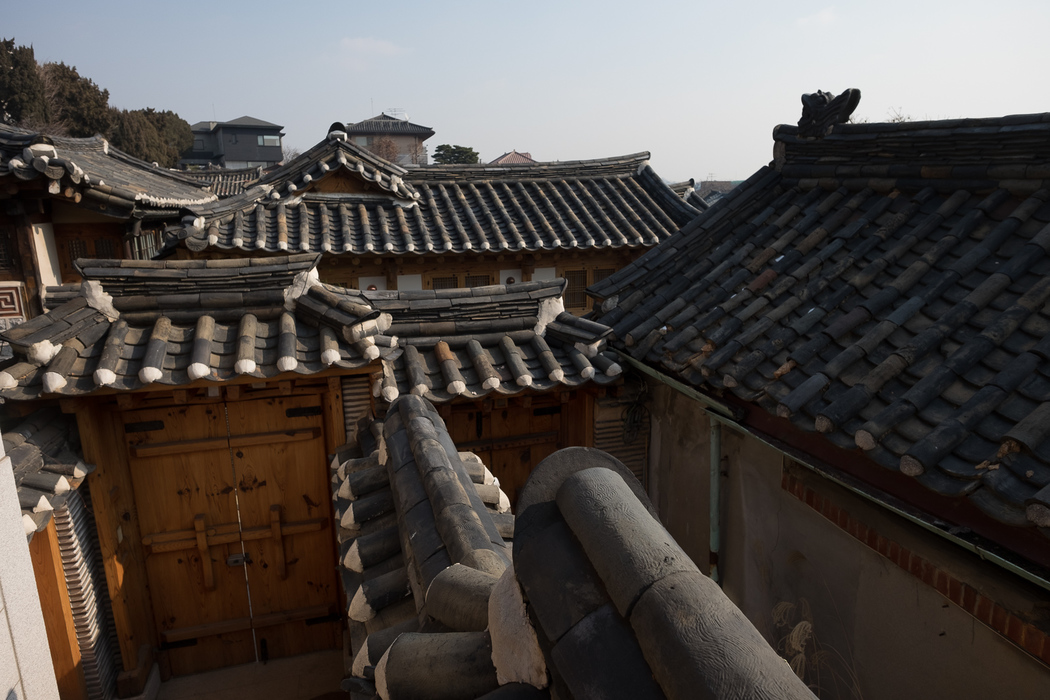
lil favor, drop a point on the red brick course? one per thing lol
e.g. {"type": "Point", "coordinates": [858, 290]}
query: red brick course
{"type": "Point", "coordinates": [1029, 637]}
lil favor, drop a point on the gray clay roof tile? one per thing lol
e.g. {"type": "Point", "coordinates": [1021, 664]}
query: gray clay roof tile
{"type": "Point", "coordinates": [902, 262]}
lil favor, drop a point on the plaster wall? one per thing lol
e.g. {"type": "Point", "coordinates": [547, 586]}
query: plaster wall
{"type": "Point", "coordinates": [26, 671]}
{"type": "Point", "coordinates": [879, 632]}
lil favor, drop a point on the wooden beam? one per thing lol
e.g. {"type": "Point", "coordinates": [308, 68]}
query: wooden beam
{"type": "Point", "coordinates": [58, 615]}
{"type": "Point", "coordinates": [227, 533]}
{"type": "Point", "coordinates": [221, 443]}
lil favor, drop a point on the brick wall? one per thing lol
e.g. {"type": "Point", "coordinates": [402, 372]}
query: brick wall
{"type": "Point", "coordinates": [1008, 625]}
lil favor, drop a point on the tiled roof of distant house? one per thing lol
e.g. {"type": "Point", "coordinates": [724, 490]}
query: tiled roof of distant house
{"type": "Point", "coordinates": [513, 158]}
{"type": "Point", "coordinates": [608, 203]}
{"type": "Point", "coordinates": [883, 285]}
{"type": "Point", "coordinates": [386, 124]}
{"type": "Point", "coordinates": [239, 121]}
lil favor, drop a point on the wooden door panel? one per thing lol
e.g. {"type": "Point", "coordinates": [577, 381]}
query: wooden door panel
{"type": "Point", "coordinates": [183, 481]}
{"type": "Point", "coordinates": [286, 514]}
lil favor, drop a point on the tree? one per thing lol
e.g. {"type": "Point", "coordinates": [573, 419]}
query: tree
{"type": "Point", "coordinates": [385, 148]}
{"type": "Point", "coordinates": [54, 98]}
{"type": "Point", "coordinates": [289, 153]}
{"type": "Point", "coordinates": [158, 137]}
{"type": "Point", "coordinates": [21, 89]}
{"type": "Point", "coordinates": [446, 154]}
{"type": "Point", "coordinates": [75, 101]}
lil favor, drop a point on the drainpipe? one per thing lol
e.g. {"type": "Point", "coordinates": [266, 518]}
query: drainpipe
{"type": "Point", "coordinates": [715, 467]}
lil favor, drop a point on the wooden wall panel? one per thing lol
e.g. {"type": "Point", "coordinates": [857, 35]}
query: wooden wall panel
{"type": "Point", "coordinates": [58, 616]}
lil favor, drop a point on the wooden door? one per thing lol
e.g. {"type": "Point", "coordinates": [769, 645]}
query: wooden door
{"type": "Point", "coordinates": [279, 458]}
{"type": "Point", "coordinates": [185, 489]}
{"type": "Point", "coordinates": [235, 517]}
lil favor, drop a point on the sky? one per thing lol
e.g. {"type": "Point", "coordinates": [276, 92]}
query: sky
{"type": "Point", "coordinates": [698, 85]}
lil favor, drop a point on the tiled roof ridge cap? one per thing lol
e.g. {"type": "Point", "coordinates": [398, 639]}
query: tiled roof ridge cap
{"type": "Point", "coordinates": [630, 163]}
{"type": "Point", "coordinates": [86, 264]}
{"type": "Point", "coordinates": [925, 124]}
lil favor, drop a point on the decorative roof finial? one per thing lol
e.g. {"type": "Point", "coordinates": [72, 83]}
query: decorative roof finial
{"type": "Point", "coordinates": [821, 111]}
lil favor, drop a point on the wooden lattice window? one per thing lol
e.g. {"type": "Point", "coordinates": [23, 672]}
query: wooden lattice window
{"type": "Point", "coordinates": [105, 248]}
{"type": "Point", "coordinates": [450, 282]}
{"type": "Point", "coordinates": [8, 250]}
{"type": "Point", "coordinates": [575, 298]}
{"type": "Point", "coordinates": [78, 248]}
{"type": "Point", "coordinates": [476, 280]}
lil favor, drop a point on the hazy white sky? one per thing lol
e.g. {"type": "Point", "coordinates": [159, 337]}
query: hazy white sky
{"type": "Point", "coordinates": [700, 85]}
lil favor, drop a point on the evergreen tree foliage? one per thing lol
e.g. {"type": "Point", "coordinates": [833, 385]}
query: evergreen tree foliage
{"type": "Point", "coordinates": [446, 154]}
{"type": "Point", "coordinates": [75, 101]}
{"type": "Point", "coordinates": [156, 137]}
{"type": "Point", "coordinates": [21, 89]}
{"type": "Point", "coordinates": [54, 98]}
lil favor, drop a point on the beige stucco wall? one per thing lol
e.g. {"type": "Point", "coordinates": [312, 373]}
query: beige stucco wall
{"type": "Point", "coordinates": [897, 635]}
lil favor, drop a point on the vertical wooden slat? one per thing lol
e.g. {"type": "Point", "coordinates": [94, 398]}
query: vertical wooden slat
{"type": "Point", "coordinates": [202, 549]}
{"type": "Point", "coordinates": [58, 615]}
{"type": "Point", "coordinates": [335, 425]}
{"type": "Point", "coordinates": [278, 541]}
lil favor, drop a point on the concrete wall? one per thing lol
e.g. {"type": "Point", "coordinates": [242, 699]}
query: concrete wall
{"type": "Point", "coordinates": [26, 671]}
{"type": "Point", "coordinates": [877, 631]}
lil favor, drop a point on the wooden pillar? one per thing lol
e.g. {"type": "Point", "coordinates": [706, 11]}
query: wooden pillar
{"type": "Point", "coordinates": [116, 518]}
{"type": "Point", "coordinates": [24, 235]}
{"type": "Point", "coordinates": [334, 420]}
{"type": "Point", "coordinates": [58, 615]}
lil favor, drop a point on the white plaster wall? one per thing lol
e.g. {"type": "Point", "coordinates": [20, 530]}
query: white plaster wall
{"type": "Point", "coordinates": [379, 281]}
{"type": "Point", "coordinates": [46, 254]}
{"type": "Point", "coordinates": [408, 283]}
{"type": "Point", "coordinates": [25, 659]}
{"type": "Point", "coordinates": [544, 273]}
{"type": "Point", "coordinates": [504, 274]}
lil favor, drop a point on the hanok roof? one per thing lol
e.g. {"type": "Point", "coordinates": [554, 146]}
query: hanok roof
{"type": "Point", "coordinates": [501, 339]}
{"type": "Point", "coordinates": [609, 203]}
{"type": "Point", "coordinates": [423, 544]}
{"type": "Point", "coordinates": [45, 464]}
{"type": "Point", "coordinates": [886, 286]}
{"type": "Point", "coordinates": [110, 180]}
{"type": "Point", "coordinates": [136, 323]}
{"type": "Point", "coordinates": [513, 158]}
{"type": "Point", "coordinates": [385, 124]}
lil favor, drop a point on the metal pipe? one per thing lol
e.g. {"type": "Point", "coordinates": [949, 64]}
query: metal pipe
{"type": "Point", "coordinates": [715, 510]}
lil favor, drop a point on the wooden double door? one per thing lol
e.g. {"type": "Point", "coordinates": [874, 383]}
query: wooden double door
{"type": "Point", "coordinates": [235, 512]}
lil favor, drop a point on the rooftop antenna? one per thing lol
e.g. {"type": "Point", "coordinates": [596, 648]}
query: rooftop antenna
{"type": "Point", "coordinates": [397, 113]}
